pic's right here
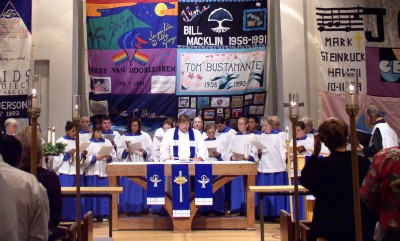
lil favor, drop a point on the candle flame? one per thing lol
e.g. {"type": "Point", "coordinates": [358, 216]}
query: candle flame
{"type": "Point", "coordinates": [351, 88]}
{"type": "Point", "coordinates": [34, 92]}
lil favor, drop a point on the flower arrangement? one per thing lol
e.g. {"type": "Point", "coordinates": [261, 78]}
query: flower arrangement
{"type": "Point", "coordinates": [54, 150]}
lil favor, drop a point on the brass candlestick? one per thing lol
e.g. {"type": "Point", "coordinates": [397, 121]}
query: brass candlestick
{"type": "Point", "coordinates": [34, 114]}
{"type": "Point", "coordinates": [77, 124]}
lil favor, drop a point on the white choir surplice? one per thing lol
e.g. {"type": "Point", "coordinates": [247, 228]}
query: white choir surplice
{"type": "Point", "coordinates": [155, 153]}
{"type": "Point", "coordinates": [167, 144]}
{"type": "Point", "coordinates": [241, 144]}
{"type": "Point", "coordinates": [145, 141]}
{"type": "Point", "coordinates": [273, 156]}
{"type": "Point", "coordinates": [84, 136]}
{"type": "Point", "coordinates": [216, 143]}
{"type": "Point", "coordinates": [225, 137]}
{"type": "Point", "coordinates": [97, 168]}
{"type": "Point", "coordinates": [66, 166]}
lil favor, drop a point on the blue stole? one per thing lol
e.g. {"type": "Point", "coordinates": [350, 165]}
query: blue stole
{"type": "Point", "coordinates": [191, 143]}
{"type": "Point", "coordinates": [203, 184]}
{"type": "Point", "coordinates": [180, 190]}
{"type": "Point", "coordinates": [155, 184]}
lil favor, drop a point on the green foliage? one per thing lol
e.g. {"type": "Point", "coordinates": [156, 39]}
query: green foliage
{"type": "Point", "coordinates": [57, 149]}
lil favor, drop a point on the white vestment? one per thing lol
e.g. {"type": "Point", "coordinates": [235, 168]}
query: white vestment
{"type": "Point", "coordinates": [135, 156]}
{"type": "Point", "coordinates": [241, 144]}
{"type": "Point", "coordinates": [273, 158]}
{"type": "Point", "coordinates": [98, 168]}
{"type": "Point", "coordinates": [69, 166]}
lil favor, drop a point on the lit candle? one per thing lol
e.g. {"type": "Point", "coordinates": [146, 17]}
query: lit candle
{"type": "Point", "coordinates": [76, 111]}
{"type": "Point", "coordinates": [293, 104]}
{"type": "Point", "coordinates": [351, 93]}
{"type": "Point", "coordinates": [287, 134]}
{"type": "Point", "coordinates": [49, 135]}
{"type": "Point", "coordinates": [34, 98]}
{"type": "Point", "coordinates": [53, 136]}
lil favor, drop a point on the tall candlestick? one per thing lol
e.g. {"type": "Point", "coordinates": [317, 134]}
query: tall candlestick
{"type": "Point", "coordinates": [287, 134]}
{"type": "Point", "coordinates": [53, 136]}
{"type": "Point", "coordinates": [49, 135]}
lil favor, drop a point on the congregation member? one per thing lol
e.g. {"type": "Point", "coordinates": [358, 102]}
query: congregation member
{"type": "Point", "coordinates": [183, 142]}
{"type": "Point", "coordinates": [48, 179]}
{"type": "Point", "coordinates": [168, 123]}
{"type": "Point", "coordinates": [198, 125]}
{"type": "Point", "coordinates": [254, 123]}
{"type": "Point", "coordinates": [276, 123]}
{"type": "Point", "coordinates": [271, 169]}
{"type": "Point", "coordinates": [309, 125]}
{"type": "Point", "coordinates": [380, 192]}
{"type": "Point", "coordinates": [106, 130]}
{"type": "Point", "coordinates": [85, 132]}
{"type": "Point", "coordinates": [10, 126]}
{"type": "Point", "coordinates": [95, 171]}
{"type": "Point", "coordinates": [329, 179]}
{"type": "Point", "coordinates": [133, 199]}
{"type": "Point", "coordinates": [383, 136]}
{"type": "Point", "coordinates": [8, 211]}
{"type": "Point", "coordinates": [65, 165]}
{"type": "Point", "coordinates": [240, 148]}
{"type": "Point", "coordinates": [30, 196]}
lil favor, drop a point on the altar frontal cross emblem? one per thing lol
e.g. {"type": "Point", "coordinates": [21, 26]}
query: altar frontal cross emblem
{"type": "Point", "coordinates": [180, 180]}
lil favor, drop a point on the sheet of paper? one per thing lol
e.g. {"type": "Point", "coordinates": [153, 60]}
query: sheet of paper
{"type": "Point", "coordinates": [135, 146]}
{"type": "Point", "coordinates": [109, 137]}
{"type": "Point", "coordinates": [258, 144]}
{"type": "Point", "coordinates": [105, 150]}
{"type": "Point", "coordinates": [159, 138]}
{"type": "Point", "coordinates": [211, 150]}
{"type": "Point", "coordinates": [84, 146]}
{"type": "Point", "coordinates": [238, 156]}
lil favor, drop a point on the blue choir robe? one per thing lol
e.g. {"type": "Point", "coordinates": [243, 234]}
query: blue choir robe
{"type": "Point", "coordinates": [65, 165]}
{"type": "Point", "coordinates": [134, 197]}
{"type": "Point", "coordinates": [95, 176]}
{"type": "Point", "coordinates": [240, 143]}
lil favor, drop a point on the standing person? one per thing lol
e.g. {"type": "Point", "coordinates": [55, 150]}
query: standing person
{"type": "Point", "coordinates": [329, 179]}
{"type": "Point", "coordinates": [30, 196]}
{"type": "Point", "coordinates": [48, 179]}
{"type": "Point", "coordinates": [183, 142]}
{"type": "Point", "coordinates": [198, 125]}
{"type": "Point", "coordinates": [85, 132]}
{"type": "Point", "coordinates": [380, 192]}
{"type": "Point", "coordinates": [133, 199]}
{"type": "Point", "coordinates": [276, 123]}
{"type": "Point", "coordinates": [168, 123]}
{"type": "Point", "coordinates": [304, 142]}
{"type": "Point", "coordinates": [65, 164]}
{"type": "Point", "coordinates": [224, 132]}
{"type": "Point", "coordinates": [106, 129]}
{"type": "Point", "coordinates": [95, 172]}
{"type": "Point", "coordinates": [271, 169]}
{"type": "Point", "coordinates": [10, 126]}
{"type": "Point", "coordinates": [382, 135]}
{"type": "Point", "coordinates": [254, 122]}
{"type": "Point", "coordinates": [241, 144]}
{"type": "Point", "coordinates": [309, 125]}
{"type": "Point", "coordinates": [8, 211]}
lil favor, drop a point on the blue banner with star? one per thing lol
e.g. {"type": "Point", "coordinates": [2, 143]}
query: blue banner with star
{"type": "Point", "coordinates": [155, 184]}
{"type": "Point", "coordinates": [180, 190]}
{"type": "Point", "coordinates": [203, 186]}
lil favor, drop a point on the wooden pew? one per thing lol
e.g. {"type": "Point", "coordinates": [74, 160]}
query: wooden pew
{"type": "Point", "coordinates": [68, 231]}
{"type": "Point", "coordinates": [287, 227]}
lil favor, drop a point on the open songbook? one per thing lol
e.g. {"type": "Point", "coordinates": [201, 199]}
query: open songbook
{"type": "Point", "coordinates": [135, 146]}
{"type": "Point", "coordinates": [238, 156]}
{"type": "Point", "coordinates": [363, 137]}
{"type": "Point", "coordinates": [105, 150]}
{"type": "Point", "coordinates": [258, 144]}
{"type": "Point", "coordinates": [211, 150]}
{"type": "Point", "coordinates": [84, 146]}
{"type": "Point", "coordinates": [109, 137]}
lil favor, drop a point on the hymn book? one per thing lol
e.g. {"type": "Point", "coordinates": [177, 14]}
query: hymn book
{"type": "Point", "coordinates": [211, 150]}
{"type": "Point", "coordinates": [109, 137]}
{"type": "Point", "coordinates": [258, 144]}
{"type": "Point", "coordinates": [84, 146]}
{"type": "Point", "coordinates": [105, 150]}
{"type": "Point", "coordinates": [238, 156]}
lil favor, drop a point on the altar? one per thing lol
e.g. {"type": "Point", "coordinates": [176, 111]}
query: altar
{"type": "Point", "coordinates": [226, 171]}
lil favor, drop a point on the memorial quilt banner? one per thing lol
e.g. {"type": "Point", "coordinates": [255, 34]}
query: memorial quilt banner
{"type": "Point", "coordinates": [221, 71]}
{"type": "Point", "coordinates": [203, 184]}
{"type": "Point", "coordinates": [219, 24]}
{"type": "Point", "coordinates": [180, 190]}
{"type": "Point", "coordinates": [341, 41]}
{"type": "Point", "coordinates": [15, 57]}
{"type": "Point", "coordinates": [132, 59]}
{"type": "Point", "coordinates": [155, 184]}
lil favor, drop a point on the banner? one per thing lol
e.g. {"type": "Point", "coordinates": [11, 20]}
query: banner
{"type": "Point", "coordinates": [132, 60]}
{"type": "Point", "coordinates": [218, 24]}
{"type": "Point", "coordinates": [341, 41]}
{"type": "Point", "coordinates": [203, 184]}
{"type": "Point", "coordinates": [15, 57]}
{"type": "Point", "coordinates": [180, 190]}
{"type": "Point", "coordinates": [155, 184]}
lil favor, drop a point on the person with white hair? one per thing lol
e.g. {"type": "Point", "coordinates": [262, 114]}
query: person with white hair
{"type": "Point", "coordinates": [11, 126]}
{"type": "Point", "coordinates": [309, 125]}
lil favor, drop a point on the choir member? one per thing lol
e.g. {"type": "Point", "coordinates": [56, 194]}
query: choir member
{"type": "Point", "coordinates": [85, 133]}
{"type": "Point", "coordinates": [254, 122]}
{"type": "Point", "coordinates": [198, 125]}
{"type": "Point", "coordinates": [168, 123]}
{"type": "Point", "coordinates": [106, 129]}
{"type": "Point", "coordinates": [224, 132]}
